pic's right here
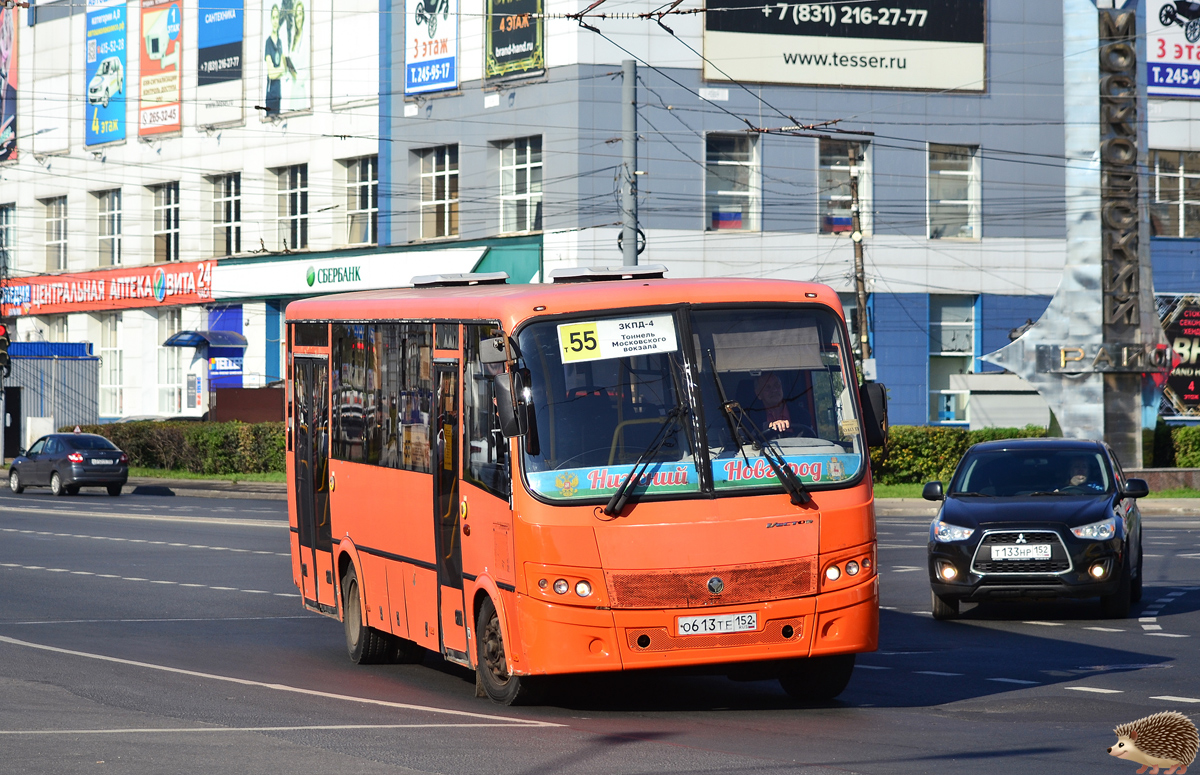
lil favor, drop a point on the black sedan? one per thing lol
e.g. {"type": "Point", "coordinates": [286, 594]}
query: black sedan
{"type": "Point", "coordinates": [1036, 518]}
{"type": "Point", "coordinates": [64, 462]}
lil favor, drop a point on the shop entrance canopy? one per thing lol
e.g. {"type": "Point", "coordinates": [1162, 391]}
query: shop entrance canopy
{"type": "Point", "coordinates": [200, 338]}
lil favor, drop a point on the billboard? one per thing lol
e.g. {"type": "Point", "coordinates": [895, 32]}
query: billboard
{"type": "Point", "coordinates": [1180, 317]}
{"type": "Point", "coordinates": [515, 37]}
{"type": "Point", "coordinates": [431, 45]}
{"type": "Point", "coordinates": [924, 45]}
{"type": "Point", "coordinates": [1172, 53]}
{"type": "Point", "coordinates": [219, 93]}
{"type": "Point", "coordinates": [161, 63]}
{"type": "Point", "coordinates": [287, 54]}
{"type": "Point", "coordinates": [104, 72]}
{"type": "Point", "coordinates": [8, 84]}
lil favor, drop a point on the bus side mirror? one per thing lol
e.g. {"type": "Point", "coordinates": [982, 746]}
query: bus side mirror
{"type": "Point", "coordinates": [510, 403]}
{"type": "Point", "coordinates": [874, 400]}
{"type": "Point", "coordinates": [493, 350]}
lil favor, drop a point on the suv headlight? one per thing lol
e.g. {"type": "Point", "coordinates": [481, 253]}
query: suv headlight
{"type": "Point", "coordinates": [1097, 531]}
{"type": "Point", "coordinates": [944, 532]}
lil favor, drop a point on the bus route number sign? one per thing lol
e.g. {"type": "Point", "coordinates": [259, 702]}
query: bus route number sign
{"type": "Point", "coordinates": [596, 340]}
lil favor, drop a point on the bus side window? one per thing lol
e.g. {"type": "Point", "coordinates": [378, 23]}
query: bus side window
{"type": "Point", "coordinates": [487, 463]}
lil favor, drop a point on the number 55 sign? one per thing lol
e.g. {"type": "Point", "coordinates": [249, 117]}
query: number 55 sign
{"type": "Point", "coordinates": [616, 338]}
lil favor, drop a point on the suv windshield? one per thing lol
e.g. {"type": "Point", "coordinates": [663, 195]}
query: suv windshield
{"type": "Point", "coordinates": [604, 386]}
{"type": "Point", "coordinates": [1012, 473]}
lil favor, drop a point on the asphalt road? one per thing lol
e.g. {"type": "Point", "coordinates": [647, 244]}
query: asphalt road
{"type": "Point", "coordinates": [151, 634]}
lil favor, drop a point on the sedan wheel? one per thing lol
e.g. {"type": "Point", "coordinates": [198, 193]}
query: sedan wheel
{"type": "Point", "coordinates": [56, 484]}
{"type": "Point", "coordinates": [14, 482]}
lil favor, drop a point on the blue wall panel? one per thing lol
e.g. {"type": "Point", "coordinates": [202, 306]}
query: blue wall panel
{"type": "Point", "coordinates": [1001, 314]}
{"type": "Point", "coordinates": [902, 354]}
{"type": "Point", "coordinates": [1176, 264]}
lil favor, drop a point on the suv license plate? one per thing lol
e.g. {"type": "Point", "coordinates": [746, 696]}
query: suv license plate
{"type": "Point", "coordinates": [1021, 552]}
{"type": "Point", "coordinates": [716, 625]}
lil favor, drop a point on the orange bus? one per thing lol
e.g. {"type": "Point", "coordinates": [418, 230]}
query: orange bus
{"type": "Point", "coordinates": [610, 471]}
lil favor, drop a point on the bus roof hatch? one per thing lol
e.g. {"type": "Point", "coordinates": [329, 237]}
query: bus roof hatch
{"type": "Point", "coordinates": [459, 280]}
{"type": "Point", "coordinates": [591, 274]}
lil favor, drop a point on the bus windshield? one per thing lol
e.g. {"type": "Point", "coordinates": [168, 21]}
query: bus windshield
{"type": "Point", "coordinates": [608, 386]}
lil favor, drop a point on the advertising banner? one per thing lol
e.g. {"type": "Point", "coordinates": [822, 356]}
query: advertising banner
{"type": "Point", "coordinates": [922, 45]}
{"type": "Point", "coordinates": [8, 84]}
{"type": "Point", "coordinates": [287, 56]}
{"type": "Point", "coordinates": [104, 72]}
{"type": "Point", "coordinates": [431, 45]}
{"type": "Point", "coordinates": [1172, 49]}
{"type": "Point", "coordinates": [515, 36]}
{"type": "Point", "coordinates": [162, 61]}
{"type": "Point", "coordinates": [219, 93]}
{"type": "Point", "coordinates": [1180, 317]}
{"type": "Point", "coordinates": [109, 289]}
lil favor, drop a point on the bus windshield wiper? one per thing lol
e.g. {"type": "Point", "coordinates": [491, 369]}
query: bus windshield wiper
{"type": "Point", "coordinates": [736, 416]}
{"type": "Point", "coordinates": [621, 496]}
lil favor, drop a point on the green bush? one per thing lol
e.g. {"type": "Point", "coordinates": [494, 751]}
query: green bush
{"type": "Point", "coordinates": [923, 453]}
{"type": "Point", "coordinates": [1186, 441]}
{"type": "Point", "coordinates": [199, 447]}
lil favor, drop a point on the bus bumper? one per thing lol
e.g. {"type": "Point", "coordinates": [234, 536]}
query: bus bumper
{"type": "Point", "coordinates": [569, 639]}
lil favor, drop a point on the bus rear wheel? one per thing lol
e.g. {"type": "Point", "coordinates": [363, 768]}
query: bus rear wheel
{"type": "Point", "coordinates": [818, 678]}
{"type": "Point", "coordinates": [498, 683]}
{"type": "Point", "coordinates": [365, 644]}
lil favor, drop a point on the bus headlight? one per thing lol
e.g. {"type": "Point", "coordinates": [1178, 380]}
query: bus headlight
{"type": "Point", "coordinates": [833, 573]}
{"type": "Point", "coordinates": [583, 589]}
{"type": "Point", "coordinates": [561, 586]}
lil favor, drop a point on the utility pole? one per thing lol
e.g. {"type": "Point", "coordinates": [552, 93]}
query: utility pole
{"type": "Point", "coordinates": [629, 217]}
{"type": "Point", "coordinates": [856, 236]}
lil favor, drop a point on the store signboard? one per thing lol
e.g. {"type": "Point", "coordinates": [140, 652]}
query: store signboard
{"type": "Point", "coordinates": [219, 94]}
{"type": "Point", "coordinates": [110, 289]}
{"type": "Point", "coordinates": [104, 81]}
{"type": "Point", "coordinates": [515, 39]}
{"type": "Point", "coordinates": [309, 277]}
{"type": "Point", "coordinates": [1180, 315]}
{"type": "Point", "coordinates": [430, 45]}
{"type": "Point", "coordinates": [162, 63]}
{"type": "Point", "coordinates": [917, 45]}
{"type": "Point", "coordinates": [1172, 49]}
{"type": "Point", "coordinates": [8, 84]}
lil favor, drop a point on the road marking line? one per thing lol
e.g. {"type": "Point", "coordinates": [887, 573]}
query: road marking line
{"type": "Point", "coordinates": [257, 591]}
{"type": "Point", "coordinates": [906, 568]}
{"type": "Point", "coordinates": [1174, 595]}
{"type": "Point", "coordinates": [1104, 629]}
{"type": "Point", "coordinates": [224, 589]}
{"type": "Point", "coordinates": [1045, 624]}
{"type": "Point", "coordinates": [1170, 698]}
{"type": "Point", "coordinates": [888, 607]}
{"type": "Point", "coordinates": [934, 672]}
{"type": "Point", "coordinates": [276, 523]}
{"type": "Point", "coordinates": [1013, 681]}
{"type": "Point", "coordinates": [164, 582]}
{"type": "Point", "coordinates": [275, 686]}
{"type": "Point", "coordinates": [57, 570]}
{"type": "Point", "coordinates": [82, 573]}
{"type": "Point", "coordinates": [1094, 689]}
{"type": "Point", "coordinates": [329, 727]}
{"type": "Point", "coordinates": [1163, 600]}
{"type": "Point", "coordinates": [156, 621]}
{"type": "Point", "coordinates": [1149, 627]}
{"type": "Point", "coordinates": [1150, 619]}
{"type": "Point", "coordinates": [1168, 635]}
{"type": "Point", "coordinates": [1190, 555]}
{"type": "Point", "coordinates": [873, 667]}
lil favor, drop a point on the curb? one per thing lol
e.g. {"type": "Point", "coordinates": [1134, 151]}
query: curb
{"type": "Point", "coordinates": [1150, 507]}
{"type": "Point", "coordinates": [198, 488]}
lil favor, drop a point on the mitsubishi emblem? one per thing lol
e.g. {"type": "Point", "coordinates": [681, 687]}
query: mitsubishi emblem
{"type": "Point", "coordinates": [1020, 538]}
{"type": "Point", "coordinates": [715, 585]}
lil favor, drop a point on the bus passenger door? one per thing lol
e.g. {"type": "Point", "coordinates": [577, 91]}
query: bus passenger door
{"type": "Point", "coordinates": [311, 382]}
{"type": "Point", "coordinates": [446, 511]}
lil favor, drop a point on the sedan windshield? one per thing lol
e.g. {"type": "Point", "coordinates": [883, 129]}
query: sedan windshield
{"type": "Point", "coordinates": [1014, 473]}
{"type": "Point", "coordinates": [606, 387]}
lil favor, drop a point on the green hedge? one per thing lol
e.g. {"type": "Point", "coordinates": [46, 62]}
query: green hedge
{"type": "Point", "coordinates": [923, 453]}
{"type": "Point", "coordinates": [199, 447]}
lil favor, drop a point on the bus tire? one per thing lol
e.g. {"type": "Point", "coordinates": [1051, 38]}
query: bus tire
{"type": "Point", "coordinates": [818, 678]}
{"type": "Point", "coordinates": [497, 682]}
{"type": "Point", "coordinates": [365, 644]}
{"type": "Point", "coordinates": [405, 652]}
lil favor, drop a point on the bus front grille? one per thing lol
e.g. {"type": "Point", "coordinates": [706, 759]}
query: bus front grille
{"type": "Point", "coordinates": [661, 639]}
{"type": "Point", "coordinates": [690, 588]}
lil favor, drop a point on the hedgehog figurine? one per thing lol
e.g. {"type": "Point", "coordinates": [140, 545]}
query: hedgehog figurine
{"type": "Point", "coordinates": [1168, 739]}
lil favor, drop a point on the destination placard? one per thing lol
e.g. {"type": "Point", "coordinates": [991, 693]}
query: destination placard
{"type": "Point", "coordinates": [597, 340]}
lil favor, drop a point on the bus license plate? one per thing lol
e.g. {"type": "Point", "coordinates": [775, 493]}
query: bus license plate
{"type": "Point", "coordinates": [716, 625]}
{"type": "Point", "coordinates": [1026, 552]}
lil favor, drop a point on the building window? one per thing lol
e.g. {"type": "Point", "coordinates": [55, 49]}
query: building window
{"type": "Point", "coordinates": [1175, 211]}
{"type": "Point", "coordinates": [953, 191]}
{"type": "Point", "coordinates": [839, 161]}
{"type": "Point", "coordinates": [170, 363]}
{"type": "Point", "coordinates": [56, 233]}
{"type": "Point", "coordinates": [109, 231]}
{"type": "Point", "coordinates": [227, 214]}
{"type": "Point", "coordinates": [439, 192]}
{"type": "Point", "coordinates": [521, 185]}
{"type": "Point", "coordinates": [54, 328]}
{"type": "Point", "coordinates": [166, 222]}
{"type": "Point", "coordinates": [7, 222]}
{"type": "Point", "coordinates": [292, 212]}
{"type": "Point", "coordinates": [112, 366]}
{"type": "Point", "coordinates": [951, 353]}
{"type": "Point", "coordinates": [731, 182]}
{"type": "Point", "coordinates": [362, 201]}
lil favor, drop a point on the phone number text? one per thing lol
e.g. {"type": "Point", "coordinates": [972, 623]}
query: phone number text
{"type": "Point", "coordinates": [802, 13]}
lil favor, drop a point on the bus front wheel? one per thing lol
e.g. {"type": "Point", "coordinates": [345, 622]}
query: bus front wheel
{"type": "Point", "coordinates": [818, 678]}
{"type": "Point", "coordinates": [498, 683]}
{"type": "Point", "coordinates": [365, 644]}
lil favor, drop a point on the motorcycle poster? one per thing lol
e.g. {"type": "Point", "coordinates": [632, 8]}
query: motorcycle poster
{"type": "Point", "coordinates": [1173, 48]}
{"type": "Point", "coordinates": [431, 45]}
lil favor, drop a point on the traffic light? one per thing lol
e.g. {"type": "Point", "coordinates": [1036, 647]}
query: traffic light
{"type": "Point", "coordinates": [4, 340]}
